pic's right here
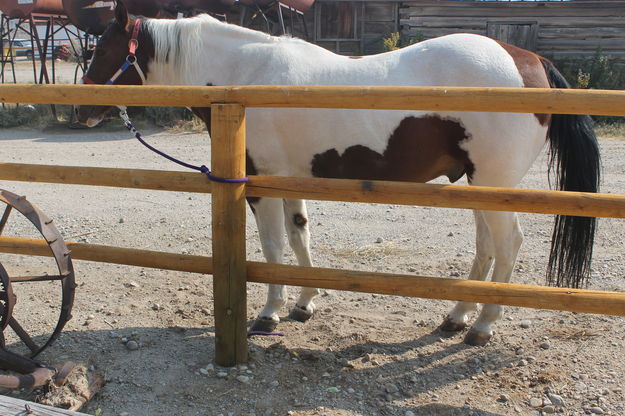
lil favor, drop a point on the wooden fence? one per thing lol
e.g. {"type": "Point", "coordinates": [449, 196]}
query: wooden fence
{"type": "Point", "coordinates": [228, 265]}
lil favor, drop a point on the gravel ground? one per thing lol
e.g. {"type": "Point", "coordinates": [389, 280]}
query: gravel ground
{"type": "Point", "coordinates": [150, 332]}
{"type": "Point", "coordinates": [64, 72]}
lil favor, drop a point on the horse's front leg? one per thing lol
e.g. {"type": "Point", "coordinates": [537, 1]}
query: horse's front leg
{"type": "Point", "coordinates": [270, 222]}
{"type": "Point", "coordinates": [296, 222]}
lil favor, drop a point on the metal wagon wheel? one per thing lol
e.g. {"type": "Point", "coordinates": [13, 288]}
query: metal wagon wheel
{"type": "Point", "coordinates": [15, 287]}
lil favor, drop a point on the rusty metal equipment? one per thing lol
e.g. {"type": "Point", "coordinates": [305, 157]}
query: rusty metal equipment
{"type": "Point", "coordinates": [22, 8]}
{"type": "Point", "coordinates": [271, 16]}
{"type": "Point", "coordinates": [19, 356]}
{"type": "Point", "coordinates": [92, 16]}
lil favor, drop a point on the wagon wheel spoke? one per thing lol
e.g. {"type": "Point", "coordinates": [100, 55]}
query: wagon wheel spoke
{"type": "Point", "coordinates": [40, 278]}
{"type": "Point", "coordinates": [26, 339]}
{"type": "Point", "coordinates": [5, 217]}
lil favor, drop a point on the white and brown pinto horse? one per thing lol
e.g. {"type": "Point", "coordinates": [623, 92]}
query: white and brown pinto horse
{"type": "Point", "coordinates": [491, 149]}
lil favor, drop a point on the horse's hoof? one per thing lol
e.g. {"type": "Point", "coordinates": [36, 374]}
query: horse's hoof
{"type": "Point", "coordinates": [263, 324]}
{"type": "Point", "coordinates": [300, 314]}
{"type": "Point", "coordinates": [477, 338]}
{"type": "Point", "coordinates": [450, 326]}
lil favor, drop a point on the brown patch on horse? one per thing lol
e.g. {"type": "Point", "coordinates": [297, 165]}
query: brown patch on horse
{"type": "Point", "coordinates": [532, 71]}
{"type": "Point", "coordinates": [419, 150]}
{"type": "Point", "coordinates": [299, 220]}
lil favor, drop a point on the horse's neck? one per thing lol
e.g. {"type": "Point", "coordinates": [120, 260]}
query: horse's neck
{"type": "Point", "coordinates": [205, 51]}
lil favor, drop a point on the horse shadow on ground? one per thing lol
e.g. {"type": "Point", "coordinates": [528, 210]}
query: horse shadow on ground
{"type": "Point", "coordinates": [163, 372]}
{"type": "Point", "coordinates": [412, 376]}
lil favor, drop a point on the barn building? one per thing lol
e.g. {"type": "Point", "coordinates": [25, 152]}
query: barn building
{"type": "Point", "coordinates": [557, 29]}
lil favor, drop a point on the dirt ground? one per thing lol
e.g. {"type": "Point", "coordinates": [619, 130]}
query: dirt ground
{"type": "Point", "coordinates": [25, 71]}
{"type": "Point", "coordinates": [150, 332]}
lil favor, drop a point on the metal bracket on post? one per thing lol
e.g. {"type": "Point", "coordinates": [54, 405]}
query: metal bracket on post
{"type": "Point", "coordinates": [228, 223]}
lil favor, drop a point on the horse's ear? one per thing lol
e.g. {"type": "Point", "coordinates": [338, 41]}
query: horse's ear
{"type": "Point", "coordinates": [121, 14]}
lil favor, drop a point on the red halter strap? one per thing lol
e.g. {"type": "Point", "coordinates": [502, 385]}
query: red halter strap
{"type": "Point", "coordinates": [133, 44]}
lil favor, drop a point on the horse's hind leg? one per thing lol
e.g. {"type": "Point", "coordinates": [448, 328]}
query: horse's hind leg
{"type": "Point", "coordinates": [296, 222]}
{"type": "Point", "coordinates": [507, 238]}
{"type": "Point", "coordinates": [270, 222]}
{"type": "Point", "coordinates": [457, 318]}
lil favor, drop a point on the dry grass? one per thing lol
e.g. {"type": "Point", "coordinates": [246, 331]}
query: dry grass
{"type": "Point", "coordinates": [576, 333]}
{"type": "Point", "coordinates": [611, 130]}
{"type": "Point", "coordinates": [377, 251]}
{"type": "Point", "coordinates": [195, 125]}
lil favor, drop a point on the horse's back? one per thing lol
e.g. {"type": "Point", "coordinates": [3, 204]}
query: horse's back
{"type": "Point", "coordinates": [463, 59]}
{"type": "Point", "coordinates": [452, 60]}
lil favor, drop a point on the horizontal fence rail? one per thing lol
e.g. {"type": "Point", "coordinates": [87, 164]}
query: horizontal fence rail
{"type": "Point", "coordinates": [446, 196]}
{"type": "Point", "coordinates": [529, 296]}
{"type": "Point", "coordinates": [507, 100]}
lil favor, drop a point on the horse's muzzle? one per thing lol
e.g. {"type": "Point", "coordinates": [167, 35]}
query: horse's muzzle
{"type": "Point", "coordinates": [91, 115]}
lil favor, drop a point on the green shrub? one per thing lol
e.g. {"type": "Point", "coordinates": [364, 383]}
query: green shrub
{"type": "Point", "coordinates": [391, 43]}
{"type": "Point", "coordinates": [396, 41]}
{"type": "Point", "coordinates": [597, 72]}
{"type": "Point", "coordinates": [614, 128]}
{"type": "Point", "coordinates": [24, 115]}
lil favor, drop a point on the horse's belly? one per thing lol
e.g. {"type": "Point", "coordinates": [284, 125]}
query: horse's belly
{"type": "Point", "coordinates": [357, 144]}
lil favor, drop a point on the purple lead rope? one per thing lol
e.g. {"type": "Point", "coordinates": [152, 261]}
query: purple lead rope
{"type": "Point", "coordinates": [202, 168]}
{"type": "Point", "coordinates": [264, 333]}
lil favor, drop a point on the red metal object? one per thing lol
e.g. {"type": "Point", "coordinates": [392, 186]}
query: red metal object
{"type": "Point", "coordinates": [92, 16]}
{"type": "Point", "coordinates": [22, 8]}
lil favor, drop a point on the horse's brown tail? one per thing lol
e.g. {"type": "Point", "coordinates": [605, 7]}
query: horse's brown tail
{"type": "Point", "coordinates": [575, 162]}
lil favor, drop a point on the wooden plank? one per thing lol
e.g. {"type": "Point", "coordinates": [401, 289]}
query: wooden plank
{"type": "Point", "coordinates": [228, 223]}
{"type": "Point", "coordinates": [519, 9]}
{"type": "Point", "coordinates": [11, 406]}
{"type": "Point", "coordinates": [448, 196]}
{"type": "Point", "coordinates": [158, 180]}
{"type": "Point", "coordinates": [620, 55]}
{"type": "Point", "coordinates": [582, 33]}
{"type": "Point", "coordinates": [529, 100]}
{"type": "Point", "coordinates": [545, 22]}
{"type": "Point", "coordinates": [529, 296]}
{"type": "Point", "coordinates": [434, 33]}
{"type": "Point", "coordinates": [114, 255]}
{"type": "Point", "coordinates": [581, 44]}
{"type": "Point", "coordinates": [443, 23]}
{"type": "Point", "coordinates": [403, 193]}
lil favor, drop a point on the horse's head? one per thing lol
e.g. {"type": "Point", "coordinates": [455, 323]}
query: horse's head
{"type": "Point", "coordinates": [120, 57]}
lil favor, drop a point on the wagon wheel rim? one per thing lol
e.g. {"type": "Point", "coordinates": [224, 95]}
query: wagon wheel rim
{"type": "Point", "coordinates": [63, 262]}
{"type": "Point", "coordinates": [7, 300]}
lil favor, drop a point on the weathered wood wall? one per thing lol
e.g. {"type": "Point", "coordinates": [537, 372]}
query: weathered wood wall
{"type": "Point", "coordinates": [560, 30]}
{"type": "Point", "coordinates": [370, 22]}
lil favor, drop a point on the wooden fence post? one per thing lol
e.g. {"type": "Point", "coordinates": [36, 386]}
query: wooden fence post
{"type": "Point", "coordinates": [228, 222]}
